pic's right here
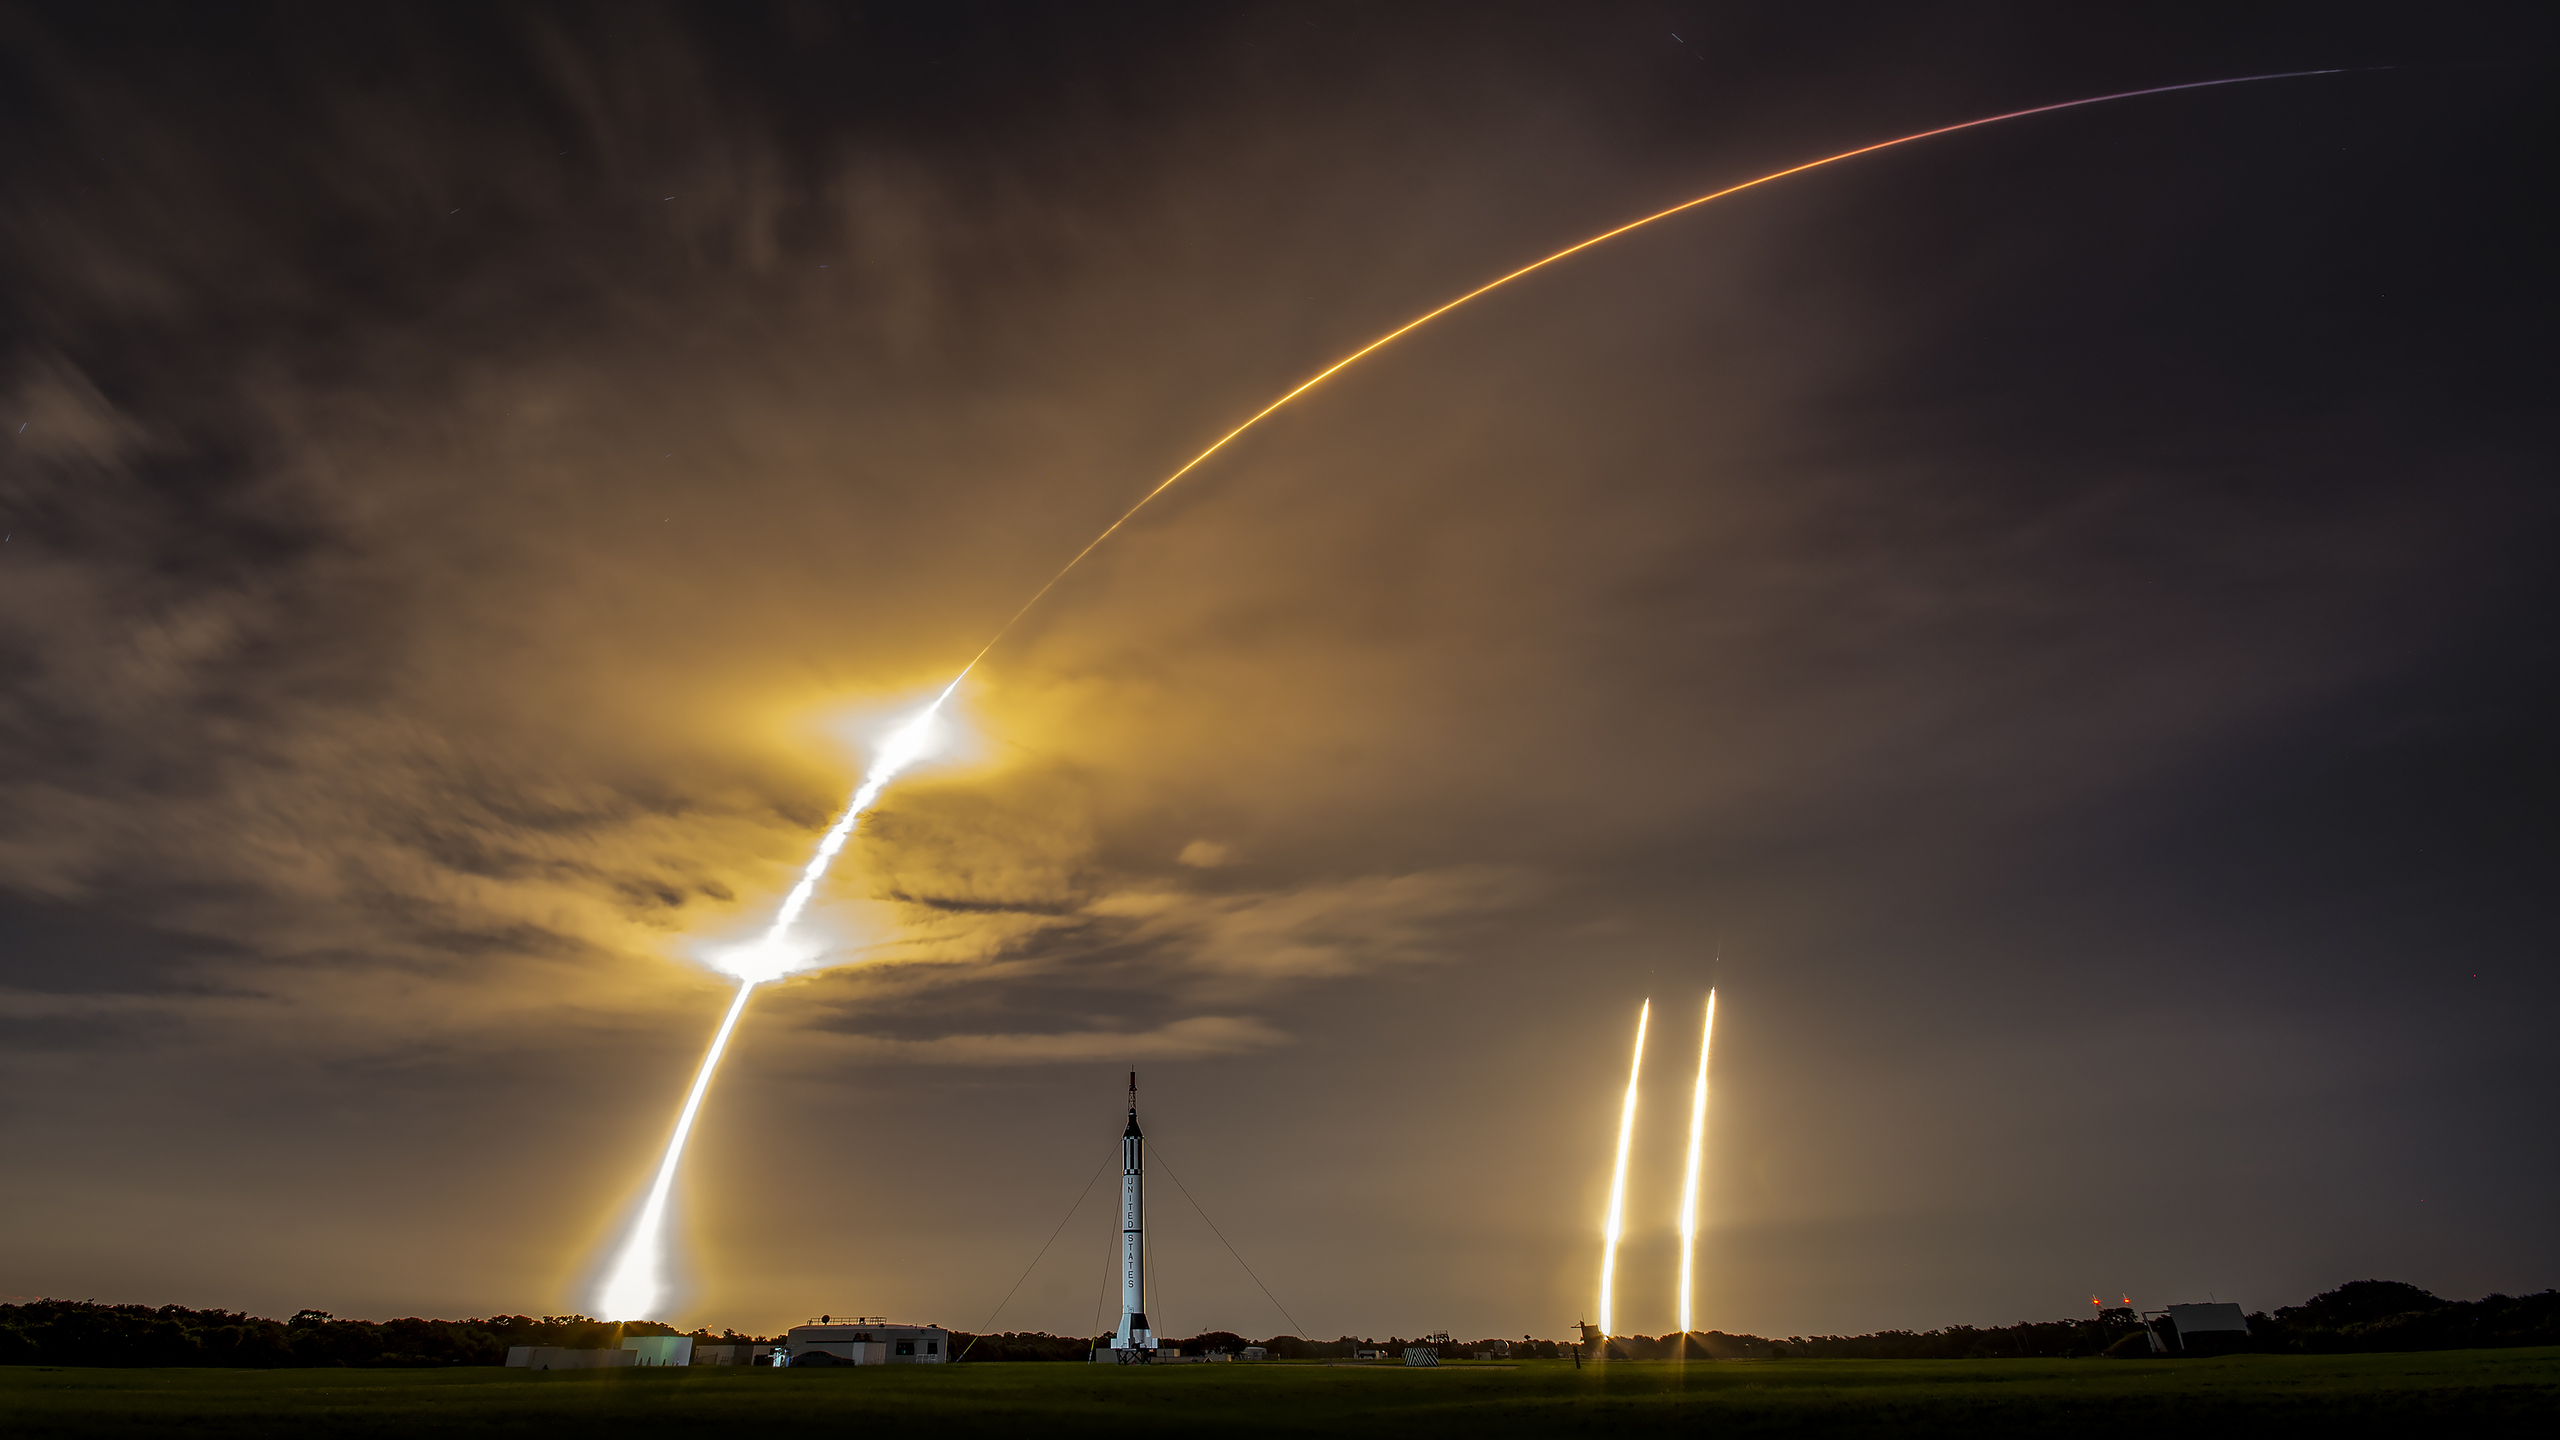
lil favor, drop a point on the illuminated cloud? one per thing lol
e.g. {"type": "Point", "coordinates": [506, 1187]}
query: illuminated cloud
{"type": "Point", "coordinates": [1194, 1038]}
{"type": "Point", "coordinates": [1205, 854]}
{"type": "Point", "coordinates": [1316, 932]}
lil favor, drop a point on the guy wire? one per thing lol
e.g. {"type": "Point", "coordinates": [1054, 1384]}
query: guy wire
{"type": "Point", "coordinates": [1035, 1260]}
{"type": "Point", "coordinates": [1222, 1239]}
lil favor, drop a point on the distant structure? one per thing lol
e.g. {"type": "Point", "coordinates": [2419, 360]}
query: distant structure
{"type": "Point", "coordinates": [660, 1349]}
{"type": "Point", "coordinates": [2196, 1329]}
{"type": "Point", "coordinates": [639, 1350]}
{"type": "Point", "coordinates": [1134, 1343]}
{"type": "Point", "coordinates": [561, 1357]}
{"type": "Point", "coordinates": [863, 1340]}
{"type": "Point", "coordinates": [650, 1350]}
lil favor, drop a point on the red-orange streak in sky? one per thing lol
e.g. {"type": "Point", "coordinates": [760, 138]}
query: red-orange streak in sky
{"type": "Point", "coordinates": [1427, 317]}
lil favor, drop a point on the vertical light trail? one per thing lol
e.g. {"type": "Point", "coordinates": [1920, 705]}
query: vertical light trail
{"type": "Point", "coordinates": [1697, 1152]}
{"type": "Point", "coordinates": [637, 1283]}
{"type": "Point", "coordinates": [1618, 1180]}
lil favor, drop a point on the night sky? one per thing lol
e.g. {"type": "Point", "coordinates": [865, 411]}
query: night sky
{"type": "Point", "coordinates": [2056, 622]}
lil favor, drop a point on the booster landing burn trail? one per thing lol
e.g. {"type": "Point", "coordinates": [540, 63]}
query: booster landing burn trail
{"type": "Point", "coordinates": [1618, 1181]}
{"type": "Point", "coordinates": [634, 1290]}
{"type": "Point", "coordinates": [1697, 1160]}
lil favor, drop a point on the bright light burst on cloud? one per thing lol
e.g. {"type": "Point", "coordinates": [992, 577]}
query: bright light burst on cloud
{"type": "Point", "coordinates": [899, 749]}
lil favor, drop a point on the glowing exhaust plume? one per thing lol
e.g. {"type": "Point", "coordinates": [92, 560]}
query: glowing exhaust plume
{"type": "Point", "coordinates": [637, 1281]}
{"type": "Point", "coordinates": [634, 1289]}
{"type": "Point", "coordinates": [1697, 1151]}
{"type": "Point", "coordinates": [772, 958]}
{"type": "Point", "coordinates": [1618, 1181]}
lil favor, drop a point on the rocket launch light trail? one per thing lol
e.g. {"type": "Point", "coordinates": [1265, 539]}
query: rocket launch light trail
{"type": "Point", "coordinates": [1417, 322]}
{"type": "Point", "coordinates": [635, 1286]}
{"type": "Point", "coordinates": [633, 1277]}
{"type": "Point", "coordinates": [637, 1283]}
{"type": "Point", "coordinates": [1697, 1150]}
{"type": "Point", "coordinates": [1618, 1180]}
{"type": "Point", "coordinates": [907, 744]}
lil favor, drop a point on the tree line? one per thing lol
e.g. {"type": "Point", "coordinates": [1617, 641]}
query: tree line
{"type": "Point", "coordinates": [1037, 1345]}
{"type": "Point", "coordinates": [83, 1332]}
{"type": "Point", "coordinates": [2363, 1315]}
{"type": "Point", "coordinates": [2367, 1315]}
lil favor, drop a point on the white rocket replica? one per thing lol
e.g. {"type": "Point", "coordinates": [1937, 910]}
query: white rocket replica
{"type": "Point", "coordinates": [1135, 1342]}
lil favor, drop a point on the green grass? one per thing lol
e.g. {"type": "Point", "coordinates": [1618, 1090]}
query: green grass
{"type": "Point", "coordinates": [2465, 1392]}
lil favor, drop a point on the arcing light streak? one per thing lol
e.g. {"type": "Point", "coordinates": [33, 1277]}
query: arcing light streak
{"type": "Point", "coordinates": [1697, 1150]}
{"type": "Point", "coordinates": [1532, 267]}
{"type": "Point", "coordinates": [769, 959]}
{"type": "Point", "coordinates": [1618, 1180]}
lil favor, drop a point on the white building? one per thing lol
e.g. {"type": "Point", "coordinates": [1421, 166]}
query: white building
{"type": "Point", "coordinates": [661, 1349]}
{"type": "Point", "coordinates": [864, 1342]}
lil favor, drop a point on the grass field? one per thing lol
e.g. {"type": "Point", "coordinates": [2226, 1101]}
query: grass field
{"type": "Point", "coordinates": [2464, 1393]}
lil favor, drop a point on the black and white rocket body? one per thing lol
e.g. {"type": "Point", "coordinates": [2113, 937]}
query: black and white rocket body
{"type": "Point", "coordinates": [1135, 1341]}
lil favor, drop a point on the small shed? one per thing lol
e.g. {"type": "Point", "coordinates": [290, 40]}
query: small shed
{"type": "Point", "coordinates": [2197, 1329]}
{"type": "Point", "coordinates": [660, 1349]}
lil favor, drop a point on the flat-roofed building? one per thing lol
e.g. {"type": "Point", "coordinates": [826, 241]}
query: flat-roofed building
{"type": "Point", "coordinates": [867, 1342]}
